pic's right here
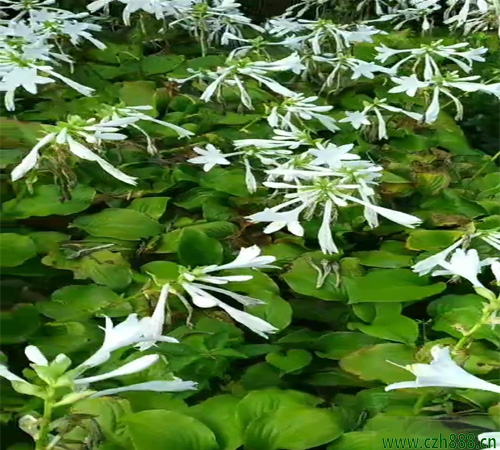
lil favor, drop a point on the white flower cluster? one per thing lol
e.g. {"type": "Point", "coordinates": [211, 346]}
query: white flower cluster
{"type": "Point", "coordinates": [70, 136]}
{"type": "Point", "coordinates": [31, 46]}
{"type": "Point", "coordinates": [132, 332]}
{"type": "Point", "coordinates": [201, 285]}
{"type": "Point", "coordinates": [459, 262]}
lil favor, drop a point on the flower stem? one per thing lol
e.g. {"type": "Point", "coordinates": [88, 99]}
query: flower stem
{"type": "Point", "coordinates": [43, 438]}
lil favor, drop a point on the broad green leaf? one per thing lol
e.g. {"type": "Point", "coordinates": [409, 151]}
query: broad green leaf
{"type": "Point", "coordinates": [290, 361]}
{"type": "Point", "coordinates": [375, 362]}
{"type": "Point", "coordinates": [48, 241]}
{"type": "Point", "coordinates": [390, 285]}
{"type": "Point", "coordinates": [390, 324]}
{"type": "Point", "coordinates": [303, 278]}
{"type": "Point", "coordinates": [231, 181]}
{"type": "Point", "coordinates": [197, 249]}
{"type": "Point", "coordinates": [169, 242]}
{"type": "Point", "coordinates": [259, 403]}
{"type": "Point", "coordinates": [82, 302]}
{"type": "Point", "coordinates": [453, 313]}
{"type": "Point", "coordinates": [153, 207]}
{"type": "Point", "coordinates": [219, 414]}
{"type": "Point", "coordinates": [103, 267]}
{"type": "Point", "coordinates": [293, 428]}
{"type": "Point", "coordinates": [162, 271]}
{"type": "Point", "coordinates": [382, 258]}
{"type": "Point", "coordinates": [156, 64]}
{"type": "Point", "coordinates": [153, 430]}
{"type": "Point", "coordinates": [19, 324]}
{"type": "Point", "coordinates": [15, 249]}
{"type": "Point", "coordinates": [125, 224]}
{"type": "Point", "coordinates": [67, 337]}
{"type": "Point", "coordinates": [339, 344]}
{"type": "Point", "coordinates": [432, 239]}
{"type": "Point", "coordinates": [46, 201]}
{"type": "Point", "coordinates": [139, 93]}
{"type": "Point", "coordinates": [106, 412]}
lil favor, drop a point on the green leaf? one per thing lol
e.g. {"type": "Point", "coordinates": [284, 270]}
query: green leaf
{"type": "Point", "coordinates": [169, 242]}
{"type": "Point", "coordinates": [231, 181]}
{"type": "Point", "coordinates": [290, 361]}
{"type": "Point", "coordinates": [432, 239]}
{"type": "Point", "coordinates": [46, 201]}
{"type": "Point", "coordinates": [374, 363]}
{"type": "Point", "coordinates": [453, 313]}
{"type": "Point", "coordinates": [15, 249]}
{"type": "Point", "coordinates": [48, 241]}
{"type": "Point", "coordinates": [140, 93]}
{"type": "Point", "coordinates": [103, 267]}
{"type": "Point", "coordinates": [295, 428]}
{"type": "Point", "coordinates": [19, 324]}
{"type": "Point", "coordinates": [391, 285]}
{"type": "Point", "coordinates": [153, 430]}
{"type": "Point", "coordinates": [125, 224]}
{"type": "Point", "coordinates": [338, 344]}
{"type": "Point", "coordinates": [82, 302]}
{"type": "Point", "coordinates": [153, 207]}
{"type": "Point", "coordinates": [106, 413]}
{"type": "Point", "coordinates": [219, 414]}
{"type": "Point", "coordinates": [162, 271]}
{"type": "Point", "coordinates": [390, 324]}
{"type": "Point", "coordinates": [156, 64]}
{"type": "Point", "coordinates": [382, 258]}
{"type": "Point", "coordinates": [259, 403]}
{"type": "Point", "coordinates": [197, 249]}
{"type": "Point", "coordinates": [303, 278]}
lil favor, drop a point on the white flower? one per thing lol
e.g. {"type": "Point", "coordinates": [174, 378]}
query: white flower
{"type": "Point", "coordinates": [492, 238]}
{"type": "Point", "coordinates": [495, 268]}
{"type": "Point", "coordinates": [210, 156]}
{"type": "Point", "coordinates": [176, 385]}
{"type": "Point", "coordinates": [131, 331]}
{"type": "Point", "coordinates": [377, 107]}
{"type": "Point", "coordinates": [247, 258]}
{"type": "Point", "coordinates": [426, 266]}
{"type": "Point", "coordinates": [280, 219]}
{"type": "Point", "coordinates": [298, 107]}
{"type": "Point", "coordinates": [443, 372]}
{"type": "Point", "coordinates": [69, 134]}
{"type": "Point", "coordinates": [201, 283]}
{"type": "Point", "coordinates": [409, 85]}
{"type": "Point", "coordinates": [36, 357]}
{"type": "Point", "coordinates": [331, 155]}
{"type": "Point", "coordinates": [356, 118]}
{"type": "Point", "coordinates": [230, 76]}
{"type": "Point", "coordinates": [464, 264]}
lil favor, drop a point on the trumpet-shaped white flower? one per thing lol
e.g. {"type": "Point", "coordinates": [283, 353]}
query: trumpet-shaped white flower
{"type": "Point", "coordinates": [69, 135]}
{"type": "Point", "coordinates": [61, 363]}
{"type": "Point", "coordinates": [376, 110]}
{"type": "Point", "coordinates": [210, 156]}
{"type": "Point", "coordinates": [201, 284]}
{"type": "Point", "coordinates": [257, 70]}
{"type": "Point", "coordinates": [135, 114]}
{"type": "Point", "coordinates": [409, 85]}
{"type": "Point", "coordinates": [281, 26]}
{"type": "Point", "coordinates": [298, 107]}
{"type": "Point", "coordinates": [492, 238]}
{"type": "Point", "coordinates": [156, 7]}
{"type": "Point", "coordinates": [426, 266]}
{"type": "Point", "coordinates": [412, 11]}
{"type": "Point", "coordinates": [443, 372]}
{"type": "Point", "coordinates": [326, 36]}
{"type": "Point", "coordinates": [473, 15]}
{"type": "Point", "coordinates": [326, 190]}
{"type": "Point", "coordinates": [457, 53]}
{"type": "Point", "coordinates": [214, 22]}
{"type": "Point", "coordinates": [443, 85]}
{"type": "Point", "coordinates": [464, 264]}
